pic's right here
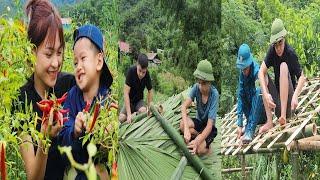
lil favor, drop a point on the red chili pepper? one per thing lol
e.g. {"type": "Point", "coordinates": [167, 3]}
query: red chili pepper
{"type": "Point", "coordinates": [3, 160]}
{"type": "Point", "coordinates": [113, 105]}
{"type": "Point", "coordinates": [56, 117]}
{"type": "Point", "coordinates": [87, 108]}
{"type": "Point", "coordinates": [64, 111]}
{"type": "Point", "coordinates": [46, 101]}
{"type": "Point", "coordinates": [62, 99]}
{"type": "Point", "coordinates": [95, 116]}
{"type": "Point", "coordinates": [114, 171]}
{"type": "Point", "coordinates": [44, 107]}
{"type": "Point", "coordinates": [65, 119]}
{"type": "Point", "coordinates": [44, 119]}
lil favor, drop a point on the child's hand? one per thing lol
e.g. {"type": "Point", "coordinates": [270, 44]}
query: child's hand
{"type": "Point", "coordinates": [79, 125]}
{"type": "Point", "coordinates": [193, 146]}
{"type": "Point", "coordinates": [187, 135]}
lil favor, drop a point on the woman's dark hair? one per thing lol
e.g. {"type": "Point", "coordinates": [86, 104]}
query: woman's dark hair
{"type": "Point", "coordinates": [44, 20]}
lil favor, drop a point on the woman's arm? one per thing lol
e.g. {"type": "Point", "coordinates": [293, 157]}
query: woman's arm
{"type": "Point", "coordinates": [35, 163]}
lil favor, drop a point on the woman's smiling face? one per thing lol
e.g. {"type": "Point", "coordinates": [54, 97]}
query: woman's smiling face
{"type": "Point", "coordinates": [48, 62]}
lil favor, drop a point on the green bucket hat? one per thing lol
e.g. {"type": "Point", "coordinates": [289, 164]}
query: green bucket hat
{"type": "Point", "coordinates": [277, 31]}
{"type": "Point", "coordinates": [204, 71]}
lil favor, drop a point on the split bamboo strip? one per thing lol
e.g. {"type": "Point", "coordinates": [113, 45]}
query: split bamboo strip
{"type": "Point", "coordinates": [260, 150]}
{"type": "Point", "coordinates": [257, 138]}
{"type": "Point", "coordinates": [276, 139]}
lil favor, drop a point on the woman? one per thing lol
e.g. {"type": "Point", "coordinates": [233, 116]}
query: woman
{"type": "Point", "coordinates": [46, 34]}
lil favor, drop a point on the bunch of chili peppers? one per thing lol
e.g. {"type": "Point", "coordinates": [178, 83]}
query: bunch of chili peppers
{"type": "Point", "coordinates": [48, 106]}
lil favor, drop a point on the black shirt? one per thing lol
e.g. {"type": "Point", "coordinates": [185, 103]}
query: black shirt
{"type": "Point", "coordinates": [55, 164]}
{"type": "Point", "coordinates": [290, 57]}
{"type": "Point", "coordinates": [136, 85]}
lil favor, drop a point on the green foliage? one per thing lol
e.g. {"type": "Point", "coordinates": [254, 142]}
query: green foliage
{"type": "Point", "coordinates": [16, 61]}
{"type": "Point", "coordinates": [180, 28]}
{"type": "Point", "coordinates": [250, 22]}
{"type": "Point", "coordinates": [16, 64]}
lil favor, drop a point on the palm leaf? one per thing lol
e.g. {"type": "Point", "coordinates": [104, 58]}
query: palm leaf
{"type": "Point", "coordinates": [147, 152]}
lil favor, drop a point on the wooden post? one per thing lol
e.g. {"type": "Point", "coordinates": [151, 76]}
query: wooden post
{"type": "Point", "coordinates": [243, 167]}
{"type": "Point", "coordinates": [295, 166]}
{"type": "Point", "coordinates": [277, 164]}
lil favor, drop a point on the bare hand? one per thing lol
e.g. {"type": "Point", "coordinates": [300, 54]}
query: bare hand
{"type": "Point", "coordinates": [187, 135]}
{"type": "Point", "coordinates": [270, 102]}
{"type": "Point", "coordinates": [294, 103]}
{"type": "Point", "coordinates": [56, 127]}
{"type": "Point", "coordinates": [129, 118]}
{"type": "Point", "coordinates": [51, 127]}
{"type": "Point", "coordinates": [148, 111]}
{"type": "Point", "coordinates": [79, 125]}
{"type": "Point", "coordinates": [193, 146]}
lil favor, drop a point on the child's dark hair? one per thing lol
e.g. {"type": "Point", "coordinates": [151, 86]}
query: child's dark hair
{"type": "Point", "coordinates": [143, 61]}
{"type": "Point", "coordinates": [93, 46]}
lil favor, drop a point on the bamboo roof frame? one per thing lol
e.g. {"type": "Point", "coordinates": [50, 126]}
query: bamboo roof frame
{"type": "Point", "coordinates": [300, 132]}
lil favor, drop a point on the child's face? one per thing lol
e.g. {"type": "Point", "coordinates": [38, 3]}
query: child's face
{"type": "Point", "coordinates": [48, 62]}
{"type": "Point", "coordinates": [88, 64]}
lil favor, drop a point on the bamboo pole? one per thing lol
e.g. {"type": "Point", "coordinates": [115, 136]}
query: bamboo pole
{"type": "Point", "coordinates": [177, 174]}
{"type": "Point", "coordinates": [243, 167]}
{"type": "Point", "coordinates": [295, 166]}
{"type": "Point", "coordinates": [138, 117]}
{"type": "Point", "coordinates": [178, 140]}
{"type": "Point", "coordinates": [293, 136]}
{"type": "Point", "coordinates": [307, 131]}
{"type": "Point", "coordinates": [231, 170]}
{"type": "Point", "coordinates": [311, 138]}
{"type": "Point", "coordinates": [304, 145]}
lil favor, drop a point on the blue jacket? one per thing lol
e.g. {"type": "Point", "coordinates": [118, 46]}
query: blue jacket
{"type": "Point", "coordinates": [75, 103]}
{"type": "Point", "coordinates": [246, 92]}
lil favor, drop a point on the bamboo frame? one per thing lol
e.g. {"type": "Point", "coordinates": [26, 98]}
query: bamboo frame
{"type": "Point", "coordinates": [300, 128]}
